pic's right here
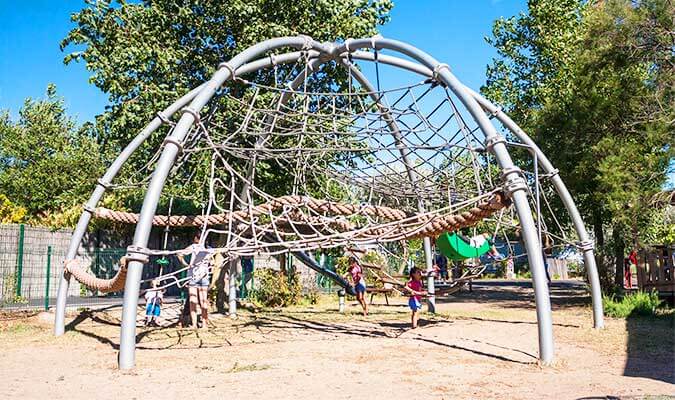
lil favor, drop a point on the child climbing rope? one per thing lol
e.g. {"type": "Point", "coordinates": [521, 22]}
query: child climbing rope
{"type": "Point", "coordinates": [416, 290]}
{"type": "Point", "coordinates": [153, 301]}
{"type": "Point", "coordinates": [198, 284]}
{"type": "Point", "coordinates": [356, 273]}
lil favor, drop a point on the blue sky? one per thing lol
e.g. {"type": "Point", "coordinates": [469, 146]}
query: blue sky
{"type": "Point", "coordinates": [453, 31]}
{"type": "Point", "coordinates": [30, 57]}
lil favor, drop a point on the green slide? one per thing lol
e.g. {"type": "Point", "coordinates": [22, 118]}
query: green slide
{"type": "Point", "coordinates": [455, 248]}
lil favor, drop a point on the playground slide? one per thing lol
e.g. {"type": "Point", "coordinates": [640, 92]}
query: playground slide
{"type": "Point", "coordinates": [309, 262]}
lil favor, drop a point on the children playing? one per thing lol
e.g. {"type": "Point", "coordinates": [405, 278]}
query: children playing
{"type": "Point", "coordinates": [153, 301]}
{"type": "Point", "coordinates": [198, 285]}
{"type": "Point", "coordinates": [356, 273]}
{"type": "Point", "coordinates": [416, 290]}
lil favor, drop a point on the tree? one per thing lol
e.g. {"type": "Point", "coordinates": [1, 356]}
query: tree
{"type": "Point", "coordinates": [47, 164]}
{"type": "Point", "coordinates": [608, 102]}
{"type": "Point", "coordinates": [146, 54]}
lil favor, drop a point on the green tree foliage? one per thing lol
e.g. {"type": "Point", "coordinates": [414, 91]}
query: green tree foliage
{"type": "Point", "coordinates": [10, 213]}
{"type": "Point", "coordinates": [595, 79]}
{"type": "Point", "coordinates": [146, 54]}
{"type": "Point", "coordinates": [47, 164]}
{"type": "Point", "coordinates": [535, 51]}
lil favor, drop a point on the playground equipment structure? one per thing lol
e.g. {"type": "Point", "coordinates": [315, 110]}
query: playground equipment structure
{"type": "Point", "coordinates": [362, 163]}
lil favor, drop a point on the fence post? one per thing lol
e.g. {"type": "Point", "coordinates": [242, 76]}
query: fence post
{"type": "Point", "coordinates": [97, 265]}
{"type": "Point", "coordinates": [252, 274]}
{"type": "Point", "coordinates": [19, 260]}
{"type": "Point", "coordinates": [242, 288]}
{"type": "Point", "coordinates": [49, 270]}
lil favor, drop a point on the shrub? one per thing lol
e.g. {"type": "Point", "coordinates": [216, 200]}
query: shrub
{"type": "Point", "coordinates": [312, 296]}
{"type": "Point", "coordinates": [276, 289]}
{"type": "Point", "coordinates": [10, 213]}
{"type": "Point", "coordinates": [8, 286]}
{"type": "Point", "coordinates": [638, 303]}
{"type": "Point", "coordinates": [523, 271]}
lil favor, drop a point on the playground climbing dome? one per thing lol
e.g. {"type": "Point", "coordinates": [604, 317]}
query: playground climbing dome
{"type": "Point", "coordinates": [301, 151]}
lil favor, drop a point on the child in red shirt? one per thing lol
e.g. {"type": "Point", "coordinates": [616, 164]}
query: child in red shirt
{"type": "Point", "coordinates": [416, 290]}
{"type": "Point", "coordinates": [359, 281]}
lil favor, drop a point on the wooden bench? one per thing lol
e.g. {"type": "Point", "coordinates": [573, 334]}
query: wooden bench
{"type": "Point", "coordinates": [385, 291]}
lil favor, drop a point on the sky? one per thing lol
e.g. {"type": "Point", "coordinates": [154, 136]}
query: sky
{"type": "Point", "coordinates": [30, 58]}
{"type": "Point", "coordinates": [453, 31]}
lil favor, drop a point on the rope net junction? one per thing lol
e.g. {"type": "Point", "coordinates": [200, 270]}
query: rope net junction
{"type": "Point", "coordinates": [302, 158]}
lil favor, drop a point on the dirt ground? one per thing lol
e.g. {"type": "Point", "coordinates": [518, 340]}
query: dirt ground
{"type": "Point", "coordinates": [480, 345]}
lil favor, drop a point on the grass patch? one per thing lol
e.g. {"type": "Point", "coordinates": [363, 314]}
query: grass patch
{"type": "Point", "coordinates": [18, 328]}
{"type": "Point", "coordinates": [632, 304]}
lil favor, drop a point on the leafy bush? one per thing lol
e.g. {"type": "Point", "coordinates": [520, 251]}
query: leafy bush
{"type": "Point", "coordinates": [638, 303]}
{"type": "Point", "coordinates": [10, 213]}
{"type": "Point", "coordinates": [277, 289]}
{"type": "Point", "coordinates": [312, 296]}
{"type": "Point", "coordinates": [8, 295]}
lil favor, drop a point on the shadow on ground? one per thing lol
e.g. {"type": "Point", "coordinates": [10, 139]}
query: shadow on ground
{"type": "Point", "coordinates": [520, 294]}
{"type": "Point", "coordinates": [276, 327]}
{"type": "Point", "coordinates": [651, 347]}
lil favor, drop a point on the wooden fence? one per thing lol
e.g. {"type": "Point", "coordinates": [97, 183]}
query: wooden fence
{"type": "Point", "coordinates": [655, 269]}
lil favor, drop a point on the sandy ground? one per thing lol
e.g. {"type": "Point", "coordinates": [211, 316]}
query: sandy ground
{"type": "Point", "coordinates": [480, 345]}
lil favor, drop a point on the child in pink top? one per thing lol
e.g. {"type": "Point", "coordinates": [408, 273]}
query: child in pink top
{"type": "Point", "coordinates": [416, 290]}
{"type": "Point", "coordinates": [356, 273]}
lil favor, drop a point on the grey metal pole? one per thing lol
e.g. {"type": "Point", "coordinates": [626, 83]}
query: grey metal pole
{"type": "Point", "coordinates": [113, 170]}
{"type": "Point", "coordinates": [410, 170]}
{"type": "Point", "coordinates": [514, 183]}
{"type": "Point", "coordinates": [585, 243]}
{"type": "Point", "coordinates": [102, 185]}
{"type": "Point", "coordinates": [172, 145]}
{"type": "Point", "coordinates": [431, 289]}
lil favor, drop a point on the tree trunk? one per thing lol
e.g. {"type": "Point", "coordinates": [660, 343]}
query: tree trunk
{"type": "Point", "coordinates": [222, 282]}
{"type": "Point", "coordinates": [597, 230]}
{"type": "Point", "coordinates": [406, 254]}
{"type": "Point", "coordinates": [619, 252]}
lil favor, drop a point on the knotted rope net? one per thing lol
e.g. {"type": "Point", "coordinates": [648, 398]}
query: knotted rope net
{"type": "Point", "coordinates": [303, 157]}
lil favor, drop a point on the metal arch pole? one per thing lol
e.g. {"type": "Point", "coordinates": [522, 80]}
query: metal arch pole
{"type": "Point", "coordinates": [586, 243]}
{"type": "Point", "coordinates": [113, 170]}
{"type": "Point", "coordinates": [396, 133]}
{"type": "Point", "coordinates": [164, 165]}
{"type": "Point", "coordinates": [511, 175]}
{"type": "Point", "coordinates": [101, 186]}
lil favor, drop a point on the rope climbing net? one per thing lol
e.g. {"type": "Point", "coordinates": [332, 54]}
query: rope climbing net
{"type": "Point", "coordinates": [303, 157]}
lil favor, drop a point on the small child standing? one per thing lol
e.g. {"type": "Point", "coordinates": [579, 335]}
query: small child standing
{"type": "Point", "coordinates": [153, 301]}
{"type": "Point", "coordinates": [416, 290]}
{"type": "Point", "coordinates": [359, 281]}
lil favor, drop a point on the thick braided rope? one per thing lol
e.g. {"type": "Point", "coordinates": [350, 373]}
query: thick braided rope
{"type": "Point", "coordinates": [114, 284]}
{"type": "Point", "coordinates": [330, 207]}
{"type": "Point", "coordinates": [433, 225]}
